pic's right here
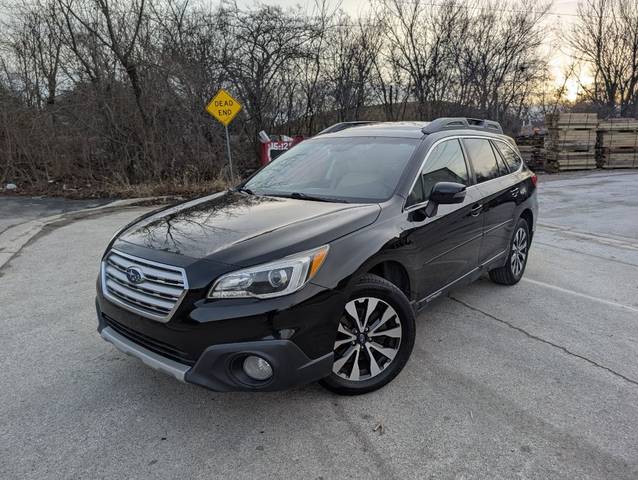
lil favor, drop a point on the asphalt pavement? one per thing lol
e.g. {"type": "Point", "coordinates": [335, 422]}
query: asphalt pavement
{"type": "Point", "coordinates": [15, 210]}
{"type": "Point", "coordinates": [535, 381]}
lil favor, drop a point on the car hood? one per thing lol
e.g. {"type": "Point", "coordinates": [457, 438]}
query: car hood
{"type": "Point", "coordinates": [240, 229]}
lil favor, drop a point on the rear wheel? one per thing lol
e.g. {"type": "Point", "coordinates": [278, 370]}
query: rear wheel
{"type": "Point", "coordinates": [512, 271]}
{"type": "Point", "coordinates": [374, 338]}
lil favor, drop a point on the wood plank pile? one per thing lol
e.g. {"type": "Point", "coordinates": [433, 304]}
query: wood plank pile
{"type": "Point", "coordinates": [618, 143]}
{"type": "Point", "coordinates": [532, 150]}
{"type": "Point", "coordinates": [570, 142]}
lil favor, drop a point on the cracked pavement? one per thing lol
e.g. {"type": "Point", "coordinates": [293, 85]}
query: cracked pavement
{"type": "Point", "coordinates": [534, 381]}
{"type": "Point", "coordinates": [534, 337]}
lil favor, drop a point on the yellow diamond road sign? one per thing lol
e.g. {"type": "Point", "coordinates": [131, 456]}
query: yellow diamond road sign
{"type": "Point", "coordinates": [223, 107]}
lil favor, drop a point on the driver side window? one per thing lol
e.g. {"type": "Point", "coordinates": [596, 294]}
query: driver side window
{"type": "Point", "coordinates": [446, 163]}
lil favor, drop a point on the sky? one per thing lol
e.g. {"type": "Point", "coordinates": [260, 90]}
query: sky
{"type": "Point", "coordinates": [563, 15]}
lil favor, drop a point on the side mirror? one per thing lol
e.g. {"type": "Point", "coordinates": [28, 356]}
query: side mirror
{"type": "Point", "coordinates": [444, 193]}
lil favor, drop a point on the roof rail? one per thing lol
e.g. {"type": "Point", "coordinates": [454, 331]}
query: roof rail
{"type": "Point", "coordinates": [337, 127]}
{"type": "Point", "coordinates": [459, 123]}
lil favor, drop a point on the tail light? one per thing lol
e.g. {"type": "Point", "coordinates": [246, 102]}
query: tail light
{"type": "Point", "coordinates": [534, 179]}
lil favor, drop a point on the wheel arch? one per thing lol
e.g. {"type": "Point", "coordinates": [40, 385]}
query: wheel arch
{"type": "Point", "coordinates": [394, 272]}
{"type": "Point", "coordinates": [528, 216]}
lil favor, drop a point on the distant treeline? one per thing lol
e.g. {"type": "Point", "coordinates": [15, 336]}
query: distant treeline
{"type": "Point", "coordinates": [109, 94]}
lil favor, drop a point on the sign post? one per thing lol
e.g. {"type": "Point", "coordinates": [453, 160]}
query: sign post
{"type": "Point", "coordinates": [230, 158]}
{"type": "Point", "coordinates": [224, 108]}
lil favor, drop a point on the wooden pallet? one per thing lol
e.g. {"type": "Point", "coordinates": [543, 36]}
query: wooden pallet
{"type": "Point", "coordinates": [532, 150]}
{"type": "Point", "coordinates": [581, 139]}
{"type": "Point", "coordinates": [618, 124]}
{"type": "Point", "coordinates": [572, 160]}
{"type": "Point", "coordinates": [527, 151]}
{"type": "Point", "coordinates": [619, 160]}
{"type": "Point", "coordinates": [618, 143]}
{"type": "Point", "coordinates": [571, 140]}
{"type": "Point", "coordinates": [619, 140]}
{"type": "Point", "coordinates": [572, 120]}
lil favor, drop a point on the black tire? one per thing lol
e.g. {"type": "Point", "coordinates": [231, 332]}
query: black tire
{"type": "Point", "coordinates": [392, 314]}
{"type": "Point", "coordinates": [514, 268]}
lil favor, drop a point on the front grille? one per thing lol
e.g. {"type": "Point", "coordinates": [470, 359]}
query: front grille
{"type": "Point", "coordinates": [156, 295]}
{"type": "Point", "coordinates": [156, 346]}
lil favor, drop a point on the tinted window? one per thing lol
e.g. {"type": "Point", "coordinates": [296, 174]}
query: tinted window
{"type": "Point", "coordinates": [351, 169]}
{"type": "Point", "coordinates": [483, 159]}
{"type": "Point", "coordinates": [512, 160]}
{"type": "Point", "coordinates": [502, 168]}
{"type": "Point", "coordinates": [444, 164]}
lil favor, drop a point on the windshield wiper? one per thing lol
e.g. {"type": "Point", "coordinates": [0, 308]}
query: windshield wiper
{"type": "Point", "coordinates": [304, 196]}
{"type": "Point", "coordinates": [245, 190]}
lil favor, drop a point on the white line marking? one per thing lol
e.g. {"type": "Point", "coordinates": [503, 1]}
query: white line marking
{"type": "Point", "coordinates": [613, 240]}
{"type": "Point", "coordinates": [581, 295]}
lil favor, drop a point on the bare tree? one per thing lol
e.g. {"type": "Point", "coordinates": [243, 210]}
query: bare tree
{"type": "Point", "coordinates": [110, 94]}
{"type": "Point", "coordinates": [551, 97]}
{"type": "Point", "coordinates": [391, 87]}
{"type": "Point", "coordinates": [36, 44]}
{"type": "Point", "coordinates": [352, 53]}
{"type": "Point", "coordinates": [309, 68]}
{"type": "Point", "coordinates": [418, 42]}
{"type": "Point", "coordinates": [260, 45]}
{"type": "Point", "coordinates": [605, 38]}
{"type": "Point", "coordinates": [48, 44]}
{"type": "Point", "coordinates": [116, 26]}
{"type": "Point", "coordinates": [498, 62]}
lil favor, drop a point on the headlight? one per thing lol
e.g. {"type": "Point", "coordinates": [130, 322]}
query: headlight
{"type": "Point", "coordinates": [271, 279]}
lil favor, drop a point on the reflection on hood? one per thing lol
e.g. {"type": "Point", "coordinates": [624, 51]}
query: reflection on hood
{"type": "Point", "coordinates": [203, 227]}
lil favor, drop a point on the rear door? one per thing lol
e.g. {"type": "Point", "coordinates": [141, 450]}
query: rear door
{"type": "Point", "coordinates": [498, 196]}
{"type": "Point", "coordinates": [445, 247]}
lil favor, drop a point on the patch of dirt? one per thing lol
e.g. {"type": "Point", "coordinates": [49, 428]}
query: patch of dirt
{"type": "Point", "coordinates": [170, 191]}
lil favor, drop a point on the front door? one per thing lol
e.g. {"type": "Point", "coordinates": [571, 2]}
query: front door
{"type": "Point", "coordinates": [444, 247]}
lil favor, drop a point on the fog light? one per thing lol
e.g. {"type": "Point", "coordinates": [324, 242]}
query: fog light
{"type": "Point", "coordinates": [257, 368]}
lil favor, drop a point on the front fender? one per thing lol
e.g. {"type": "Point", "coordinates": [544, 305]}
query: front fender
{"type": "Point", "coordinates": [355, 254]}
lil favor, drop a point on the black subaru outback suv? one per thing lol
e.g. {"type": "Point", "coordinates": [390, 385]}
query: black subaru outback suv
{"type": "Point", "coordinates": [315, 267]}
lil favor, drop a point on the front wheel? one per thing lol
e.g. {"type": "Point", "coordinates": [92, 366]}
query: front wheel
{"type": "Point", "coordinates": [375, 336]}
{"type": "Point", "coordinates": [512, 271]}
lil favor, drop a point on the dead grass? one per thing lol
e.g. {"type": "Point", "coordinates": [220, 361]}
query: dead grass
{"type": "Point", "coordinates": [175, 190]}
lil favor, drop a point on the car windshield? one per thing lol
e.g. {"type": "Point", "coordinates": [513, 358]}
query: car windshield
{"type": "Point", "coordinates": [351, 169]}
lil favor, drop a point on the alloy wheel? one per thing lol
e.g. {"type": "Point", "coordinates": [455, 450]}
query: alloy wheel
{"type": "Point", "coordinates": [368, 339]}
{"type": "Point", "coordinates": [519, 252]}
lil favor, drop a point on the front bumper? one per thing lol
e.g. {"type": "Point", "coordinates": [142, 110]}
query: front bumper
{"type": "Point", "coordinates": [218, 367]}
{"type": "Point", "coordinates": [150, 358]}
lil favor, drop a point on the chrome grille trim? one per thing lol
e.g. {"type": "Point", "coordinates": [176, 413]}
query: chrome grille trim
{"type": "Point", "coordinates": [157, 297]}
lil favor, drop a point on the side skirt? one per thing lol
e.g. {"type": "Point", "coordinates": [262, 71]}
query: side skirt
{"type": "Point", "coordinates": [466, 279]}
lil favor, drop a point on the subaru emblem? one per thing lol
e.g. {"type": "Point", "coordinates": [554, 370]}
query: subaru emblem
{"type": "Point", "coordinates": [134, 275]}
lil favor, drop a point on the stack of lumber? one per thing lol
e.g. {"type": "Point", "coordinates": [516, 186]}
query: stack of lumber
{"type": "Point", "coordinates": [570, 142]}
{"type": "Point", "coordinates": [527, 151]}
{"type": "Point", "coordinates": [618, 143]}
{"type": "Point", "coordinates": [532, 150]}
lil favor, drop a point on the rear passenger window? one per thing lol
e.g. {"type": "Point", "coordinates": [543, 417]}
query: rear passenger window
{"type": "Point", "coordinates": [483, 159]}
{"type": "Point", "coordinates": [511, 158]}
{"type": "Point", "coordinates": [445, 163]}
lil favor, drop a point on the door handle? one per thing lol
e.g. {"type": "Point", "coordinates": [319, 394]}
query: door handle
{"type": "Point", "coordinates": [476, 210]}
{"type": "Point", "coordinates": [514, 191]}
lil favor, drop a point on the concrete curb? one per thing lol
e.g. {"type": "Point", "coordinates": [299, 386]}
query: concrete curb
{"type": "Point", "coordinates": [13, 239]}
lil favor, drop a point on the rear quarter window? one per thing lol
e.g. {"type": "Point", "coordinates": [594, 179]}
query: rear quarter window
{"type": "Point", "coordinates": [511, 158]}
